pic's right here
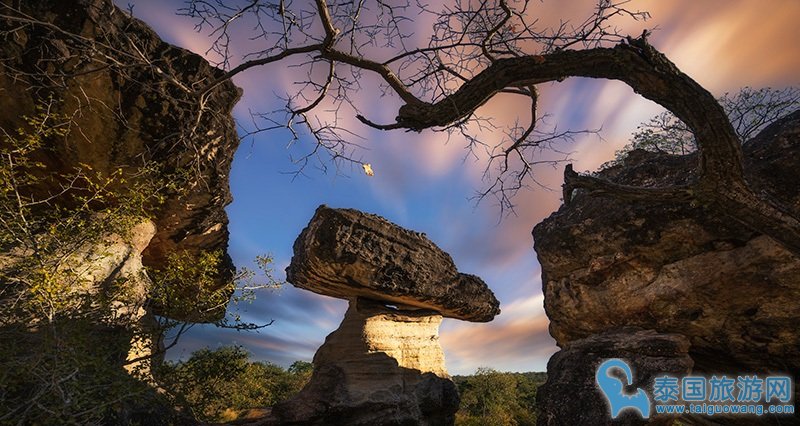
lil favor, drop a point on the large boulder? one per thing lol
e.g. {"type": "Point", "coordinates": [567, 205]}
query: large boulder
{"type": "Point", "coordinates": [571, 396]}
{"type": "Point", "coordinates": [347, 253]}
{"type": "Point", "coordinates": [678, 269]}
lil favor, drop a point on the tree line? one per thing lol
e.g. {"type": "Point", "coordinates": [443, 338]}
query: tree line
{"type": "Point", "coordinates": [223, 385]}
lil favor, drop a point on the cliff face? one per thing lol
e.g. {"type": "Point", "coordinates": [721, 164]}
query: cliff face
{"type": "Point", "coordinates": [675, 269]}
{"type": "Point", "coordinates": [127, 95]}
{"type": "Point", "coordinates": [131, 106]}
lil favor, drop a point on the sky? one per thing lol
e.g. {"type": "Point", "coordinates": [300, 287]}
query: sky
{"type": "Point", "coordinates": [423, 182]}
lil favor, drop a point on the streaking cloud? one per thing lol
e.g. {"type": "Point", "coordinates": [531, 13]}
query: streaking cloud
{"type": "Point", "coordinates": [424, 181]}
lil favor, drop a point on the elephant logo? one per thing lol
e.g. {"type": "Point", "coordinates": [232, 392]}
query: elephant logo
{"type": "Point", "coordinates": [614, 390]}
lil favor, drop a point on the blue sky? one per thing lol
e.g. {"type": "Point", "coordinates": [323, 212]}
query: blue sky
{"type": "Point", "coordinates": [424, 184]}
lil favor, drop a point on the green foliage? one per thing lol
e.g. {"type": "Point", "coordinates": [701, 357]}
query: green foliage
{"type": "Point", "coordinates": [301, 368]}
{"type": "Point", "coordinates": [215, 385]}
{"type": "Point", "coordinates": [219, 385]}
{"type": "Point", "coordinates": [493, 398]}
{"type": "Point", "coordinates": [65, 334]}
{"type": "Point", "coordinates": [70, 373]}
{"type": "Point", "coordinates": [44, 233]}
{"type": "Point", "coordinates": [201, 272]}
{"type": "Point", "coordinates": [189, 284]}
{"type": "Point", "coordinates": [60, 331]}
{"type": "Point", "coordinates": [750, 111]}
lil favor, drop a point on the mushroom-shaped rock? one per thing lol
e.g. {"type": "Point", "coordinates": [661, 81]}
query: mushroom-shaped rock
{"type": "Point", "coordinates": [384, 364]}
{"type": "Point", "coordinates": [346, 253]}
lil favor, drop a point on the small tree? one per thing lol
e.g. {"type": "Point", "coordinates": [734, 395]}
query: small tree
{"type": "Point", "coordinates": [215, 385]}
{"type": "Point", "coordinates": [52, 309]}
{"type": "Point", "coordinates": [490, 397]}
{"type": "Point", "coordinates": [750, 111]}
{"type": "Point", "coordinates": [68, 322]}
{"type": "Point", "coordinates": [72, 317]}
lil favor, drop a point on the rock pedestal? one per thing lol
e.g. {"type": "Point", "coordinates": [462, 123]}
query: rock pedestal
{"type": "Point", "coordinates": [388, 363]}
{"type": "Point", "coordinates": [384, 364]}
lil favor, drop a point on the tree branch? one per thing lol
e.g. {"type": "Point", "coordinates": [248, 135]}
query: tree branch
{"type": "Point", "coordinates": [383, 70]}
{"type": "Point", "coordinates": [258, 62]}
{"type": "Point", "coordinates": [642, 67]}
{"type": "Point", "coordinates": [369, 123]}
{"type": "Point", "coordinates": [596, 186]}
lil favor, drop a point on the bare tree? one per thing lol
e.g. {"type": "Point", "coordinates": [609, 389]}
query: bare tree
{"type": "Point", "coordinates": [339, 45]}
{"type": "Point", "coordinates": [474, 52]}
{"type": "Point", "coordinates": [477, 50]}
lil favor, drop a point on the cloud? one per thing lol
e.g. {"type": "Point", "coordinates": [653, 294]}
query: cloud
{"type": "Point", "coordinates": [516, 340]}
{"type": "Point", "coordinates": [263, 345]}
{"type": "Point", "coordinates": [422, 182]}
{"type": "Point", "coordinates": [302, 319]}
{"type": "Point", "coordinates": [292, 305]}
{"type": "Point", "coordinates": [729, 44]}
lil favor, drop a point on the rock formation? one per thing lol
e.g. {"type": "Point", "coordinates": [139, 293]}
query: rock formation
{"type": "Point", "coordinates": [384, 364]}
{"type": "Point", "coordinates": [346, 253]}
{"type": "Point", "coordinates": [127, 98]}
{"type": "Point", "coordinates": [127, 110]}
{"type": "Point", "coordinates": [571, 373]}
{"type": "Point", "coordinates": [673, 270]}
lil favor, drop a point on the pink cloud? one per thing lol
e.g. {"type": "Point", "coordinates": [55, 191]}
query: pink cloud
{"type": "Point", "coordinates": [724, 44]}
{"type": "Point", "coordinates": [517, 339]}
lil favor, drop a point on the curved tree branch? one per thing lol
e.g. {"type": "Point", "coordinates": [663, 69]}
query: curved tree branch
{"type": "Point", "coordinates": [647, 71]}
{"type": "Point", "coordinates": [721, 184]}
{"type": "Point", "coordinates": [257, 63]}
